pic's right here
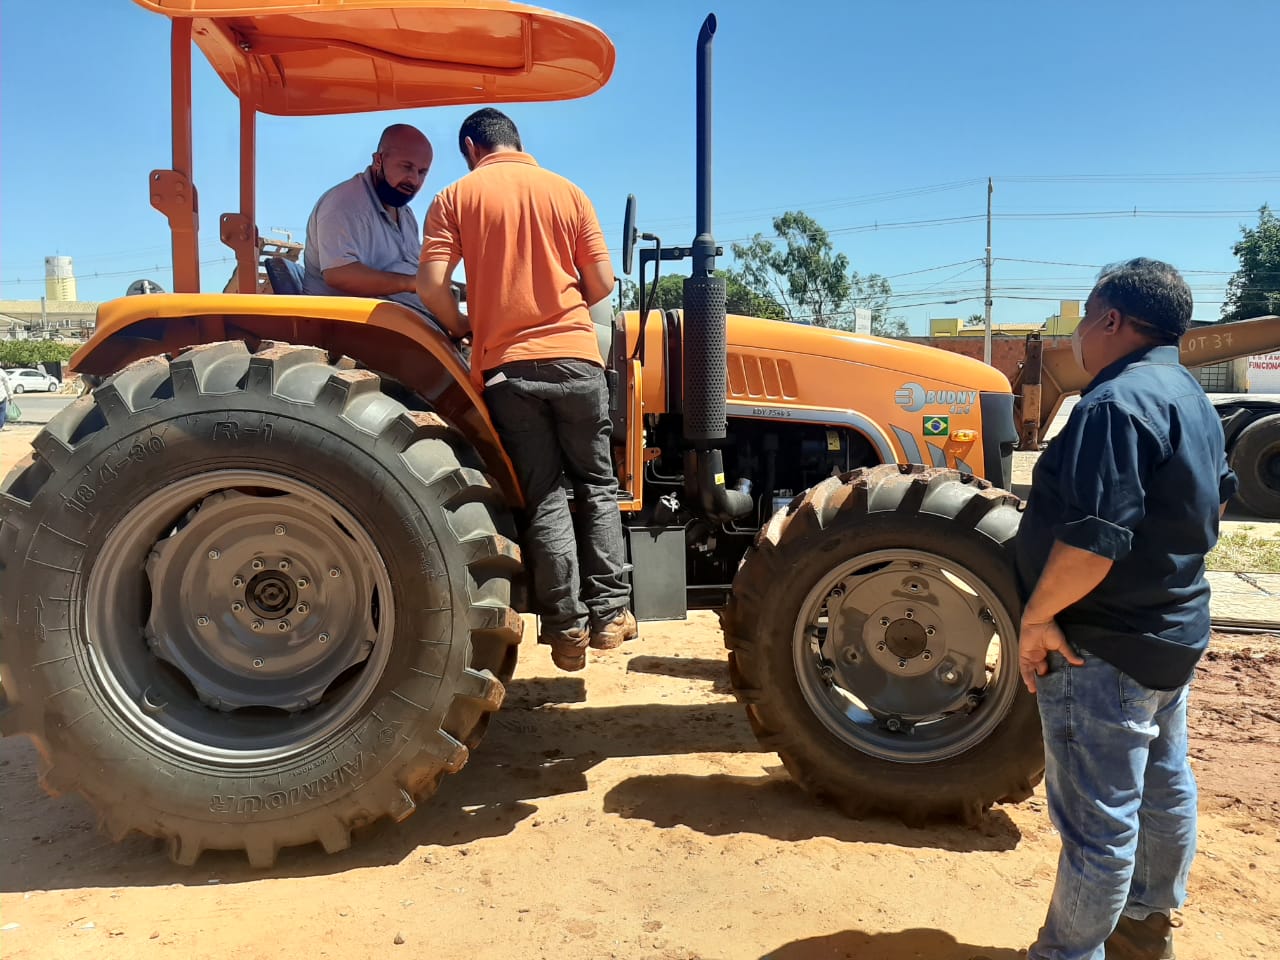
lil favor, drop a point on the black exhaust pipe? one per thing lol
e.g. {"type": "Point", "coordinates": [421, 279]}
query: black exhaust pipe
{"type": "Point", "coordinates": [705, 361]}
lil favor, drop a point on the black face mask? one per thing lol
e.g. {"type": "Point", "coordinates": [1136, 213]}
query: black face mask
{"type": "Point", "coordinates": [388, 194]}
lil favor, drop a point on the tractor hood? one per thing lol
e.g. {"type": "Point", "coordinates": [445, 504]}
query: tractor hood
{"type": "Point", "coordinates": [839, 359]}
{"type": "Point", "coordinates": [310, 57]}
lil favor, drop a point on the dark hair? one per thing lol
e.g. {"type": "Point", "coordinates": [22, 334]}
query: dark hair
{"type": "Point", "coordinates": [1149, 291]}
{"type": "Point", "coordinates": [488, 128]}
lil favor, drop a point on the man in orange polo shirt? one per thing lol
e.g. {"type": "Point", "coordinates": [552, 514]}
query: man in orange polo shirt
{"type": "Point", "coordinates": [535, 258]}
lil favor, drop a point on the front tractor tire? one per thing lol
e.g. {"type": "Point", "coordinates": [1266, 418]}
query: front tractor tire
{"type": "Point", "coordinates": [250, 601]}
{"type": "Point", "coordinates": [873, 639]}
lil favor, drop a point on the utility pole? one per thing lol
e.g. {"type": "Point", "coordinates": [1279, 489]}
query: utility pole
{"type": "Point", "coordinates": [986, 333]}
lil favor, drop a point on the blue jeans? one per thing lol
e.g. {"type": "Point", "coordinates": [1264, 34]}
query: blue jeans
{"type": "Point", "coordinates": [4, 413]}
{"type": "Point", "coordinates": [1123, 797]}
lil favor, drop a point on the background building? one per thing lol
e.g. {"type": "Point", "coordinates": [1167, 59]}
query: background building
{"type": "Point", "coordinates": [58, 315]}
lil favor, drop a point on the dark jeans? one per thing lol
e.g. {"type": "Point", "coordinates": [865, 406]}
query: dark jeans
{"type": "Point", "coordinates": [553, 418]}
{"type": "Point", "coordinates": [4, 413]}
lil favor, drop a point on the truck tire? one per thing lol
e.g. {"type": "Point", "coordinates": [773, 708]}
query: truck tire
{"type": "Point", "coordinates": [872, 632]}
{"type": "Point", "coordinates": [249, 601]}
{"type": "Point", "coordinates": [1255, 457]}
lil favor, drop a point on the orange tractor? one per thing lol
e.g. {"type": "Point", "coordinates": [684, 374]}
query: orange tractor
{"type": "Point", "coordinates": [261, 587]}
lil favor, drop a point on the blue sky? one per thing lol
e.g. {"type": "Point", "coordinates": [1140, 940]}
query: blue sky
{"type": "Point", "coordinates": [867, 115]}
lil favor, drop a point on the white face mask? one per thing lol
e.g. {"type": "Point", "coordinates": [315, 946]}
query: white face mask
{"type": "Point", "coordinates": [1077, 343]}
{"type": "Point", "coordinates": [1077, 348]}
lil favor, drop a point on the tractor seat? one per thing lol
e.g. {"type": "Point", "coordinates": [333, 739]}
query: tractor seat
{"type": "Point", "coordinates": [602, 320]}
{"type": "Point", "coordinates": [284, 275]}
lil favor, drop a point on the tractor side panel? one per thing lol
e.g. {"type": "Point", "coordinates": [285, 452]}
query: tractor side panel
{"type": "Point", "coordinates": [907, 418]}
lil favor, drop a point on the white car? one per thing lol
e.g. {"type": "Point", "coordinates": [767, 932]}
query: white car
{"type": "Point", "coordinates": [25, 379]}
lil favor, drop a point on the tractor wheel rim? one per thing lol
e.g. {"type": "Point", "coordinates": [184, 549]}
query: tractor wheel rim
{"type": "Point", "coordinates": [238, 616]}
{"type": "Point", "coordinates": [905, 656]}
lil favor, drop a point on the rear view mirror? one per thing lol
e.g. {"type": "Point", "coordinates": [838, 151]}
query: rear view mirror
{"type": "Point", "coordinates": [629, 234]}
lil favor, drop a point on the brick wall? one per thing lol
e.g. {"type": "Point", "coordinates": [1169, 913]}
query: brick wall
{"type": "Point", "coordinates": [1007, 353]}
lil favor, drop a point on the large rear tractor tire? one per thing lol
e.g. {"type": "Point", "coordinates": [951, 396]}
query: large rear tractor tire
{"type": "Point", "coordinates": [873, 639]}
{"type": "Point", "coordinates": [250, 601]}
{"type": "Point", "coordinates": [1255, 457]}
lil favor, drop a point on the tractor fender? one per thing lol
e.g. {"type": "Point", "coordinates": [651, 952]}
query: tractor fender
{"type": "Point", "coordinates": [386, 337]}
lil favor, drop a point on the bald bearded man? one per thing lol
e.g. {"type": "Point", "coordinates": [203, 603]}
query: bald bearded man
{"type": "Point", "coordinates": [362, 238]}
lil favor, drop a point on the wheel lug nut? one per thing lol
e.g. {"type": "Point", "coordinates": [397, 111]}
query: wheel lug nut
{"type": "Point", "coordinates": [280, 530]}
{"type": "Point", "coordinates": [902, 664]}
{"type": "Point", "coordinates": [880, 646]}
{"type": "Point", "coordinates": [237, 581]}
{"type": "Point", "coordinates": [884, 621]}
{"type": "Point", "coordinates": [202, 621]}
{"type": "Point", "coordinates": [257, 661]}
{"type": "Point", "coordinates": [894, 724]}
{"type": "Point", "coordinates": [335, 572]}
{"type": "Point", "coordinates": [214, 554]}
{"type": "Point", "coordinates": [323, 638]}
{"type": "Point", "coordinates": [237, 607]}
{"type": "Point", "coordinates": [927, 655]}
{"type": "Point", "coordinates": [851, 655]}
{"type": "Point", "coordinates": [256, 625]}
{"type": "Point", "coordinates": [257, 564]}
{"type": "Point", "coordinates": [303, 583]}
{"type": "Point", "coordinates": [284, 564]}
{"type": "Point", "coordinates": [303, 607]}
{"type": "Point", "coordinates": [929, 631]}
{"type": "Point", "coordinates": [282, 626]}
{"type": "Point", "coordinates": [911, 614]}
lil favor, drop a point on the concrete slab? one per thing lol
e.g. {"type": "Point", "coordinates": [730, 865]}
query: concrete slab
{"type": "Point", "coordinates": [1245, 598]}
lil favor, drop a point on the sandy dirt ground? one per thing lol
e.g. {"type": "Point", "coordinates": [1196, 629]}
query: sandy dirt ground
{"type": "Point", "coordinates": [627, 812]}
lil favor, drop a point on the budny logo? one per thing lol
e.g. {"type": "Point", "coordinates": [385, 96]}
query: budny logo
{"type": "Point", "coordinates": [912, 397]}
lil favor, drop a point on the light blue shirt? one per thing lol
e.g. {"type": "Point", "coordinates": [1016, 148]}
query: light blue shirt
{"type": "Point", "coordinates": [350, 225]}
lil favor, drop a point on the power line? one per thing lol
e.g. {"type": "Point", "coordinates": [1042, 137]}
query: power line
{"type": "Point", "coordinates": [1256, 176]}
{"type": "Point", "coordinates": [123, 273]}
{"type": "Point", "coordinates": [1133, 213]}
{"type": "Point", "coordinates": [737, 216]}
{"type": "Point", "coordinates": [911, 273]}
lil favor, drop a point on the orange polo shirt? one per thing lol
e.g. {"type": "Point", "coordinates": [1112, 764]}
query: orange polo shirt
{"type": "Point", "coordinates": [521, 231]}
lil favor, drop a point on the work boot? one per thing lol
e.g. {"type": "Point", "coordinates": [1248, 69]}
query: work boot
{"type": "Point", "coordinates": [617, 631]}
{"type": "Point", "coordinates": [1149, 939]}
{"type": "Point", "coordinates": [568, 647]}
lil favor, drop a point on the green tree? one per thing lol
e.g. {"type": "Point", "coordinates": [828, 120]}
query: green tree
{"type": "Point", "coordinates": [810, 281]}
{"type": "Point", "coordinates": [628, 295]}
{"type": "Point", "coordinates": [1254, 291]}
{"type": "Point", "coordinates": [872, 292]}
{"type": "Point", "coordinates": [804, 274]}
{"type": "Point", "coordinates": [745, 302]}
{"type": "Point", "coordinates": [975, 320]}
{"type": "Point", "coordinates": [668, 296]}
{"type": "Point", "coordinates": [29, 353]}
{"type": "Point", "coordinates": [739, 298]}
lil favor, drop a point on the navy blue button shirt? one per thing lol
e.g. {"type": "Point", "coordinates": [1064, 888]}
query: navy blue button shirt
{"type": "Point", "coordinates": [1138, 476]}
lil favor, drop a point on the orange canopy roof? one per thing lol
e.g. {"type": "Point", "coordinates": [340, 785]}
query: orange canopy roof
{"type": "Point", "coordinates": [308, 57]}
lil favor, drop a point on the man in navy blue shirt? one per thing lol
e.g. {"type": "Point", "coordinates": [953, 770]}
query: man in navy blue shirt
{"type": "Point", "coordinates": [1124, 505]}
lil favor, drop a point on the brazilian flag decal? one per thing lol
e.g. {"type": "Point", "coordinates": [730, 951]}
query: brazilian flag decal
{"type": "Point", "coordinates": [937, 426]}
